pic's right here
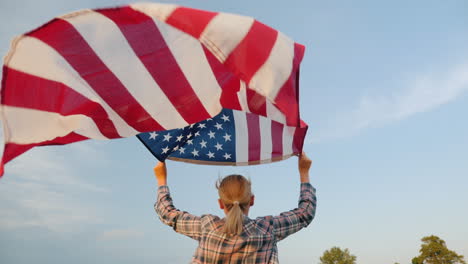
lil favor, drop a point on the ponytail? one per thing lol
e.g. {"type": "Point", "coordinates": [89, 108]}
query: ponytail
{"type": "Point", "coordinates": [234, 220]}
{"type": "Point", "coordinates": [235, 193]}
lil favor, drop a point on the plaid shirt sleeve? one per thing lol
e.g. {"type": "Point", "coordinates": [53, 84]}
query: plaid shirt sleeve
{"type": "Point", "coordinates": [182, 222]}
{"type": "Point", "coordinates": [290, 222]}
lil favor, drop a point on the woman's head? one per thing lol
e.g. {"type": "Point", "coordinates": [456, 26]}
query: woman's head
{"type": "Point", "coordinates": [235, 197]}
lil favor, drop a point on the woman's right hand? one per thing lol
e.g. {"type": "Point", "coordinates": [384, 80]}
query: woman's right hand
{"type": "Point", "coordinates": [304, 164]}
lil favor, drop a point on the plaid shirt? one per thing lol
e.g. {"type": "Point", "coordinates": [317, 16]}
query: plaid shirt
{"type": "Point", "coordinates": [257, 242]}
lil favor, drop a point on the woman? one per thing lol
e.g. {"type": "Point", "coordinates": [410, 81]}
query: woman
{"type": "Point", "coordinates": [237, 238]}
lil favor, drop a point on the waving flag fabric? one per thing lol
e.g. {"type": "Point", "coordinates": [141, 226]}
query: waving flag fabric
{"type": "Point", "coordinates": [117, 72]}
{"type": "Point", "coordinates": [230, 138]}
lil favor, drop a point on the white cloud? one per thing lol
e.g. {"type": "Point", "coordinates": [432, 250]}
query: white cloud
{"type": "Point", "coordinates": [425, 93]}
{"type": "Point", "coordinates": [120, 234]}
{"type": "Point", "coordinates": [42, 188]}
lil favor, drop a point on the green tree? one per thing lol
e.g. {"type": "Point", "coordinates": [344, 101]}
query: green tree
{"type": "Point", "coordinates": [434, 251]}
{"type": "Point", "coordinates": [336, 255]}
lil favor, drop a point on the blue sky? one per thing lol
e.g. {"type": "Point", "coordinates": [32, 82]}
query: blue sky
{"type": "Point", "coordinates": [384, 89]}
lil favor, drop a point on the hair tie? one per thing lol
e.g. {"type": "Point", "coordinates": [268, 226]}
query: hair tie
{"type": "Point", "coordinates": [236, 202]}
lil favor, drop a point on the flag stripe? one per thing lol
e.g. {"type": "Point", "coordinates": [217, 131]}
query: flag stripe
{"type": "Point", "coordinates": [252, 51]}
{"type": "Point", "coordinates": [273, 113]}
{"type": "Point", "coordinates": [268, 79]}
{"type": "Point", "coordinates": [242, 97]}
{"type": "Point", "coordinates": [254, 136]}
{"type": "Point", "coordinates": [84, 60]}
{"type": "Point", "coordinates": [160, 63]}
{"type": "Point", "coordinates": [288, 133]}
{"type": "Point", "coordinates": [287, 99]}
{"type": "Point", "coordinates": [265, 139]}
{"type": "Point", "coordinates": [214, 36]}
{"type": "Point", "coordinates": [13, 150]}
{"type": "Point", "coordinates": [229, 82]}
{"type": "Point", "coordinates": [155, 10]}
{"type": "Point", "coordinates": [242, 141]}
{"type": "Point", "coordinates": [277, 139]}
{"type": "Point", "coordinates": [298, 139]}
{"type": "Point", "coordinates": [191, 21]}
{"type": "Point", "coordinates": [53, 67]}
{"type": "Point", "coordinates": [53, 97]}
{"type": "Point", "coordinates": [45, 125]}
{"type": "Point", "coordinates": [257, 103]}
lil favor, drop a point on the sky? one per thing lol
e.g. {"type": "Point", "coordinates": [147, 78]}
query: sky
{"type": "Point", "coordinates": [384, 89]}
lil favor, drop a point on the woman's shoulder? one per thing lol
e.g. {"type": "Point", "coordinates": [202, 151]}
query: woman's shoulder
{"type": "Point", "coordinates": [209, 221]}
{"type": "Point", "coordinates": [210, 217]}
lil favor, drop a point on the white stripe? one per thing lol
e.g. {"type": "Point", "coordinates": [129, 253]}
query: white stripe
{"type": "Point", "coordinates": [34, 57]}
{"type": "Point", "coordinates": [29, 126]}
{"type": "Point", "coordinates": [190, 57]}
{"type": "Point", "coordinates": [288, 135]}
{"type": "Point", "coordinates": [274, 113]}
{"type": "Point", "coordinates": [99, 32]}
{"type": "Point", "coordinates": [276, 70]}
{"type": "Point", "coordinates": [242, 140]}
{"type": "Point", "coordinates": [242, 96]}
{"type": "Point", "coordinates": [155, 10]}
{"type": "Point", "coordinates": [224, 32]}
{"type": "Point", "coordinates": [265, 136]}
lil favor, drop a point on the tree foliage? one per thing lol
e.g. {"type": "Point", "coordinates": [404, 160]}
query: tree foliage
{"type": "Point", "coordinates": [434, 251]}
{"type": "Point", "coordinates": [336, 255]}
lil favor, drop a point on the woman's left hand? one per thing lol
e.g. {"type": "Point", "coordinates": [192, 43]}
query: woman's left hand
{"type": "Point", "coordinates": [160, 172]}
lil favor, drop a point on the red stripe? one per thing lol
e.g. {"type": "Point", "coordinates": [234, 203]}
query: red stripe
{"type": "Point", "coordinates": [256, 102]}
{"type": "Point", "coordinates": [277, 139]}
{"type": "Point", "coordinates": [287, 99]}
{"type": "Point", "coordinates": [149, 45]}
{"type": "Point", "coordinates": [253, 127]}
{"type": "Point", "coordinates": [299, 135]}
{"type": "Point", "coordinates": [67, 41]}
{"type": "Point", "coordinates": [13, 150]}
{"type": "Point", "coordinates": [191, 21]}
{"type": "Point", "coordinates": [51, 96]}
{"type": "Point", "coordinates": [228, 82]}
{"type": "Point", "coordinates": [252, 51]}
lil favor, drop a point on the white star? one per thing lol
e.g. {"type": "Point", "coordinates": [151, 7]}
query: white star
{"type": "Point", "coordinates": [211, 134]}
{"type": "Point", "coordinates": [210, 154]}
{"type": "Point", "coordinates": [219, 126]}
{"type": "Point", "coordinates": [197, 133]}
{"type": "Point", "coordinates": [209, 119]}
{"type": "Point", "coordinates": [165, 150]}
{"type": "Point", "coordinates": [201, 125]}
{"type": "Point", "coordinates": [203, 143]}
{"type": "Point", "coordinates": [182, 150]}
{"type": "Point", "coordinates": [195, 152]}
{"type": "Point", "coordinates": [190, 141]}
{"type": "Point", "coordinates": [179, 138]}
{"type": "Point", "coordinates": [167, 137]}
{"type": "Point", "coordinates": [189, 135]}
{"type": "Point", "coordinates": [227, 137]}
{"type": "Point", "coordinates": [153, 135]}
{"type": "Point", "coordinates": [218, 146]}
{"type": "Point", "coordinates": [227, 156]}
{"type": "Point", "coordinates": [225, 118]}
{"type": "Point", "coordinates": [176, 148]}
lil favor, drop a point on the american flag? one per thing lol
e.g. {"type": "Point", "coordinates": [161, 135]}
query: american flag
{"type": "Point", "coordinates": [118, 72]}
{"type": "Point", "coordinates": [230, 138]}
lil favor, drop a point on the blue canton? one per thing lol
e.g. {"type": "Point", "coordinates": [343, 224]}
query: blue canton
{"type": "Point", "coordinates": [211, 140]}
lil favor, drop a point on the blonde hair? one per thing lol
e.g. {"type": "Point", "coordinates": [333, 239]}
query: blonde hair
{"type": "Point", "coordinates": [235, 193]}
